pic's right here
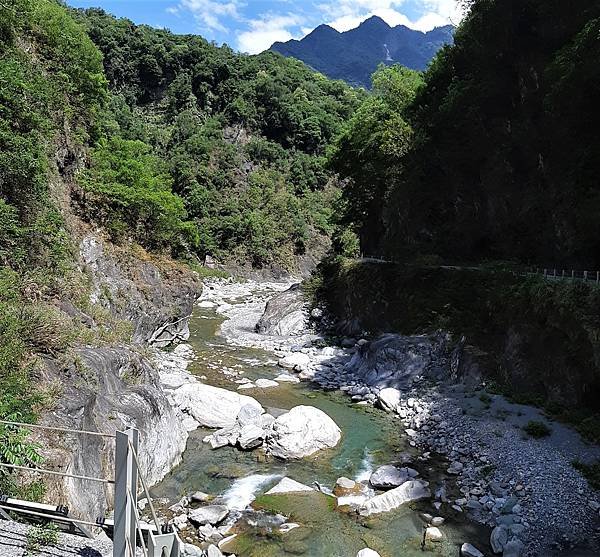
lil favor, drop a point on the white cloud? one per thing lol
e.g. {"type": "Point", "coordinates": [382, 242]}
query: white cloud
{"type": "Point", "coordinates": [348, 14]}
{"type": "Point", "coordinates": [209, 13]}
{"type": "Point", "coordinates": [266, 30]}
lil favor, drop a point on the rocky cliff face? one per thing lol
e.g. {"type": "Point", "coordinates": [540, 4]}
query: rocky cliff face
{"type": "Point", "coordinates": [157, 301]}
{"type": "Point", "coordinates": [111, 387]}
{"type": "Point", "coordinates": [535, 338]}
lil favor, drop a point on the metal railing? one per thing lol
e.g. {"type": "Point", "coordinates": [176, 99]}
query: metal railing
{"type": "Point", "coordinates": [548, 273]}
{"type": "Point", "coordinates": [129, 530]}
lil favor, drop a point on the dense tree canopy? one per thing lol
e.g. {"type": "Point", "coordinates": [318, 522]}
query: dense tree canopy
{"type": "Point", "coordinates": [243, 137]}
{"type": "Point", "coordinates": [503, 162]}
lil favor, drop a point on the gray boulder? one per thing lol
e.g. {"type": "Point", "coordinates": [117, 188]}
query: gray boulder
{"type": "Point", "coordinates": [285, 314]}
{"type": "Point", "coordinates": [388, 476]}
{"type": "Point", "coordinates": [251, 436]}
{"type": "Point", "coordinates": [212, 514]}
{"type": "Point", "coordinates": [389, 399]}
{"type": "Point", "coordinates": [212, 406]}
{"type": "Point", "coordinates": [499, 538]}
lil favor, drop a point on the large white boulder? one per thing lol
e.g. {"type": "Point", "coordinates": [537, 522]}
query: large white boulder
{"type": "Point", "coordinates": [211, 406]}
{"type": "Point", "coordinates": [407, 492]}
{"type": "Point", "coordinates": [302, 431]}
{"type": "Point", "coordinates": [389, 399]}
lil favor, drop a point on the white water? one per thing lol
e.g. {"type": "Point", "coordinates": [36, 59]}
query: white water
{"type": "Point", "coordinates": [388, 57]}
{"type": "Point", "coordinates": [243, 491]}
{"type": "Point", "coordinates": [366, 467]}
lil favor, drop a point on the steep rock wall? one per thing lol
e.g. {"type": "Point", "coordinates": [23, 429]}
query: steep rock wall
{"type": "Point", "coordinates": [537, 339]}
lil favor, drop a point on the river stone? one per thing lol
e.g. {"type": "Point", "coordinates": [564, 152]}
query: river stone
{"type": "Point", "coordinates": [212, 514]}
{"type": "Point", "coordinates": [190, 550]}
{"type": "Point", "coordinates": [513, 548]}
{"type": "Point", "coordinates": [212, 406]}
{"type": "Point", "coordinates": [297, 360]}
{"type": "Point", "coordinates": [302, 431]}
{"type": "Point", "coordinates": [249, 414]}
{"type": "Point", "coordinates": [284, 314]}
{"type": "Point", "coordinates": [434, 534]}
{"type": "Point", "coordinates": [213, 551]}
{"type": "Point", "coordinates": [251, 436]}
{"type": "Point", "coordinates": [437, 521]}
{"type": "Point", "coordinates": [499, 538]}
{"type": "Point", "coordinates": [387, 476]}
{"type": "Point", "coordinates": [286, 378]}
{"type": "Point", "coordinates": [389, 399]}
{"type": "Point", "coordinates": [366, 552]}
{"type": "Point", "coordinates": [265, 383]}
{"type": "Point", "coordinates": [345, 486]}
{"type": "Point", "coordinates": [287, 485]}
{"type": "Point", "coordinates": [468, 550]}
{"type": "Point", "coordinates": [411, 490]}
{"type": "Point", "coordinates": [200, 497]}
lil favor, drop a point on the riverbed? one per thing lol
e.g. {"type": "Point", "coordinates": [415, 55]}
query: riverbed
{"type": "Point", "coordinates": [226, 350]}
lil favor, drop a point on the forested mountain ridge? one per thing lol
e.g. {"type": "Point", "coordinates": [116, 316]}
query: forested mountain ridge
{"type": "Point", "coordinates": [355, 54]}
{"type": "Point", "coordinates": [500, 159]}
{"type": "Point", "coordinates": [241, 138]}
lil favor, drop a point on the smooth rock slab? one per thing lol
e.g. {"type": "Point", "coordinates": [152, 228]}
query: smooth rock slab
{"type": "Point", "coordinates": [302, 431]}
{"type": "Point", "coordinates": [212, 514]}
{"type": "Point", "coordinates": [287, 485]}
{"type": "Point", "coordinates": [266, 383]}
{"type": "Point", "coordinates": [211, 406]}
{"type": "Point", "coordinates": [286, 378]}
{"type": "Point", "coordinates": [411, 490]}
{"type": "Point", "coordinates": [468, 550]}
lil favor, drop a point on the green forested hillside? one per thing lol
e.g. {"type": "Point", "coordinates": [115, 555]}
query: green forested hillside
{"type": "Point", "coordinates": [52, 86]}
{"type": "Point", "coordinates": [240, 138]}
{"type": "Point", "coordinates": [166, 142]}
{"type": "Point", "coordinates": [503, 159]}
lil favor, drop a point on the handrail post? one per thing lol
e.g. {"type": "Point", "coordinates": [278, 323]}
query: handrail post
{"type": "Point", "coordinates": [125, 528]}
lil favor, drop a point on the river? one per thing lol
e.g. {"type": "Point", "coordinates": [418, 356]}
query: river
{"type": "Point", "coordinates": [223, 340]}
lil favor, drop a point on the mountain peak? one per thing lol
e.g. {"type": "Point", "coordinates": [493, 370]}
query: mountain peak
{"type": "Point", "coordinates": [374, 21]}
{"type": "Point", "coordinates": [323, 29]}
{"type": "Point", "coordinates": [355, 54]}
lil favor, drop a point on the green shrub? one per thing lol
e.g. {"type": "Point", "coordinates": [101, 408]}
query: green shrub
{"type": "Point", "coordinates": [128, 190]}
{"type": "Point", "coordinates": [537, 429]}
{"type": "Point", "coordinates": [591, 472]}
{"type": "Point", "coordinates": [42, 536]}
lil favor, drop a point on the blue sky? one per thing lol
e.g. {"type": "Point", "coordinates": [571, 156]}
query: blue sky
{"type": "Point", "coordinates": [253, 25]}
